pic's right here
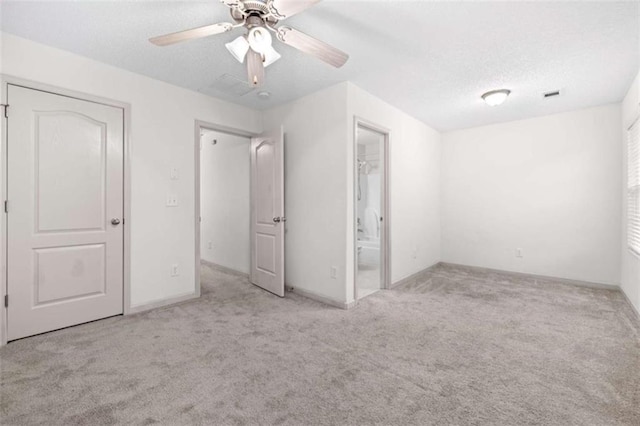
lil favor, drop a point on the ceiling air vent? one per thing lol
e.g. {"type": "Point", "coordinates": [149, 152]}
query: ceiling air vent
{"type": "Point", "coordinates": [229, 85]}
{"type": "Point", "coordinates": [551, 94]}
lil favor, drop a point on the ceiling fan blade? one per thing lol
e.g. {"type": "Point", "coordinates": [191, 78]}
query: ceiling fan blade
{"type": "Point", "coordinates": [283, 9]}
{"type": "Point", "coordinates": [207, 30]}
{"type": "Point", "coordinates": [312, 46]}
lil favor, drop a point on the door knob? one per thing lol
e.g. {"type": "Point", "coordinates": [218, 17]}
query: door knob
{"type": "Point", "coordinates": [115, 222]}
{"type": "Point", "coordinates": [277, 219]}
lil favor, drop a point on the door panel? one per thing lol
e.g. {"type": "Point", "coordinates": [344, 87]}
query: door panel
{"type": "Point", "coordinates": [265, 175]}
{"type": "Point", "coordinates": [65, 184]}
{"type": "Point", "coordinates": [265, 252]}
{"type": "Point", "coordinates": [61, 139]}
{"type": "Point", "coordinates": [267, 212]}
{"type": "Point", "coordinates": [65, 273]}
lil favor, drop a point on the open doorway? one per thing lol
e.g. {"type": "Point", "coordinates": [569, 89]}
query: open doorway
{"type": "Point", "coordinates": [224, 203]}
{"type": "Point", "coordinates": [240, 206]}
{"type": "Point", "coordinates": [371, 210]}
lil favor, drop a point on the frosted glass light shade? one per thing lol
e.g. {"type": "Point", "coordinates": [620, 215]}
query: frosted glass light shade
{"type": "Point", "coordinates": [259, 39]}
{"type": "Point", "coordinates": [270, 56]}
{"type": "Point", "coordinates": [496, 97]}
{"type": "Point", "coordinates": [238, 48]}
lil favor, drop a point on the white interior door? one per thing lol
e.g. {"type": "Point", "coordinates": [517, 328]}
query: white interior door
{"type": "Point", "coordinates": [65, 211]}
{"type": "Point", "coordinates": [267, 212]}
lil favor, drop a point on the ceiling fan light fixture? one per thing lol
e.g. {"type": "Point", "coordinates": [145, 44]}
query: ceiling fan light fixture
{"type": "Point", "coordinates": [260, 18]}
{"type": "Point", "coordinates": [270, 56]}
{"type": "Point", "coordinates": [259, 39]}
{"type": "Point", "coordinates": [238, 48]}
{"type": "Point", "coordinates": [496, 97]}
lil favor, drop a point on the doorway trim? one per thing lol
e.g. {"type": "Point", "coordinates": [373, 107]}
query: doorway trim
{"type": "Point", "coordinates": [5, 81]}
{"type": "Point", "coordinates": [385, 243]}
{"type": "Point", "coordinates": [199, 126]}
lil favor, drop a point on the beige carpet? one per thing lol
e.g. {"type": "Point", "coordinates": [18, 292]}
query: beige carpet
{"type": "Point", "coordinates": [455, 347]}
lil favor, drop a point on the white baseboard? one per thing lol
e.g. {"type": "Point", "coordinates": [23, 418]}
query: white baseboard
{"type": "Point", "coordinates": [224, 269]}
{"type": "Point", "coordinates": [633, 308]}
{"type": "Point", "coordinates": [569, 281]}
{"type": "Point", "coordinates": [580, 283]}
{"type": "Point", "coordinates": [322, 299]}
{"type": "Point", "coordinates": [136, 309]}
{"type": "Point", "coordinates": [414, 277]}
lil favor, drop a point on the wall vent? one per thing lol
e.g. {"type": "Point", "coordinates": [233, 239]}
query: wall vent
{"type": "Point", "coordinates": [551, 94]}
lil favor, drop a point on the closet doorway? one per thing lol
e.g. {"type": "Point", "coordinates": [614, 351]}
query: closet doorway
{"type": "Point", "coordinates": [66, 197]}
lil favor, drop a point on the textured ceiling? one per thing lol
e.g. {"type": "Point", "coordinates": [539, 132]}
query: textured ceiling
{"type": "Point", "coordinates": [431, 59]}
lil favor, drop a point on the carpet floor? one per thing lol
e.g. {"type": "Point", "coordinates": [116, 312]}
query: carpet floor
{"type": "Point", "coordinates": [454, 347]}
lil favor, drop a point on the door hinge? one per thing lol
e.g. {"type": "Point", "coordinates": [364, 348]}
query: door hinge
{"type": "Point", "coordinates": [6, 300]}
{"type": "Point", "coordinates": [6, 110]}
{"type": "Point", "coordinates": [6, 206]}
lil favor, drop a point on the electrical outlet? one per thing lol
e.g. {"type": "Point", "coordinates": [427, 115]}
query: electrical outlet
{"type": "Point", "coordinates": [174, 173]}
{"type": "Point", "coordinates": [334, 272]}
{"type": "Point", "coordinates": [174, 270]}
{"type": "Point", "coordinates": [210, 245]}
{"type": "Point", "coordinates": [172, 200]}
{"type": "Point", "coordinates": [519, 252]}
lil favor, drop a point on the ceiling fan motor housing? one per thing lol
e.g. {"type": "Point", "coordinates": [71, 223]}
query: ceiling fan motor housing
{"type": "Point", "coordinates": [250, 11]}
{"type": "Point", "coordinates": [253, 6]}
{"type": "Point", "coordinates": [254, 21]}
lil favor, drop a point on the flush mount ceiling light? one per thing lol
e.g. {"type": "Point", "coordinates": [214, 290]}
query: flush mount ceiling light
{"type": "Point", "coordinates": [260, 18]}
{"type": "Point", "coordinates": [496, 97]}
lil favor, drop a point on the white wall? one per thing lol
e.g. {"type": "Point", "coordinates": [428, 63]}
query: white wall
{"type": "Point", "coordinates": [501, 184]}
{"type": "Point", "coordinates": [548, 185]}
{"type": "Point", "coordinates": [630, 279]}
{"type": "Point", "coordinates": [225, 203]}
{"type": "Point", "coordinates": [162, 136]}
{"type": "Point", "coordinates": [319, 188]}
{"type": "Point", "coordinates": [414, 173]}
{"type": "Point", "coordinates": [315, 190]}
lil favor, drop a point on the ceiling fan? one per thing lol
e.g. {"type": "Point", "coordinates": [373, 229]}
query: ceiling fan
{"type": "Point", "coordinates": [260, 18]}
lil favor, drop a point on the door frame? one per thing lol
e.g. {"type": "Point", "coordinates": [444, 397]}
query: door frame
{"type": "Point", "coordinates": [385, 241]}
{"type": "Point", "coordinates": [199, 126]}
{"type": "Point", "coordinates": [5, 81]}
